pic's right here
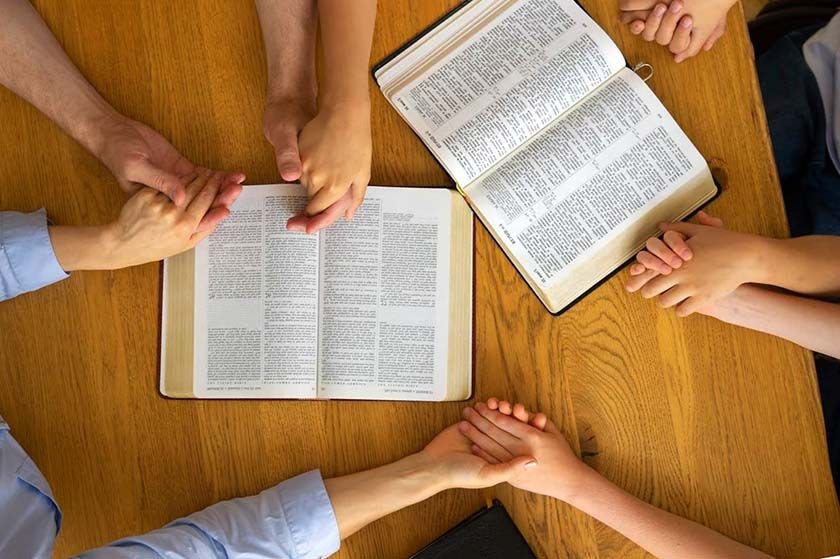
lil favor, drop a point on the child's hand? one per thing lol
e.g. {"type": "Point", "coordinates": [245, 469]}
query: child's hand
{"type": "Point", "coordinates": [670, 24]}
{"type": "Point", "coordinates": [499, 438]}
{"type": "Point", "coordinates": [721, 261]}
{"type": "Point", "coordinates": [335, 150]}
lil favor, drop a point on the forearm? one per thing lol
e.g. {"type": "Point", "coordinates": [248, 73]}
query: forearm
{"type": "Point", "coordinates": [808, 322]}
{"type": "Point", "coordinates": [289, 32]}
{"type": "Point", "coordinates": [346, 34]}
{"type": "Point", "coordinates": [359, 499]}
{"type": "Point", "coordinates": [35, 67]}
{"type": "Point", "coordinates": [82, 248]}
{"type": "Point", "coordinates": [659, 532]}
{"type": "Point", "coordinates": [809, 265]}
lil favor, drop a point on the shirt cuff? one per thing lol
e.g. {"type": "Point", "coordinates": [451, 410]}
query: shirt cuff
{"type": "Point", "coordinates": [27, 259]}
{"type": "Point", "coordinates": [310, 516]}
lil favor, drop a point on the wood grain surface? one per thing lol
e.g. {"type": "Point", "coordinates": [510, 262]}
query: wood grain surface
{"type": "Point", "coordinates": [717, 424]}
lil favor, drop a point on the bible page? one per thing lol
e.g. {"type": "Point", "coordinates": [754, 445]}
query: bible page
{"type": "Point", "coordinates": [585, 179]}
{"type": "Point", "coordinates": [385, 298]}
{"type": "Point", "coordinates": [256, 322]}
{"type": "Point", "coordinates": [475, 102]}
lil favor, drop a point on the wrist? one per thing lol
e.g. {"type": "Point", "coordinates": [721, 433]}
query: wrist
{"type": "Point", "coordinates": [767, 253]}
{"type": "Point", "coordinates": [83, 248]}
{"type": "Point", "coordinates": [574, 484]}
{"type": "Point", "coordinates": [426, 475]}
{"type": "Point", "coordinates": [346, 104]}
{"type": "Point", "coordinates": [94, 128]}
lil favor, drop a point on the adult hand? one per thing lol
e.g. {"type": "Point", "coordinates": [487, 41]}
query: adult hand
{"type": "Point", "coordinates": [449, 455]}
{"type": "Point", "coordinates": [498, 438]}
{"type": "Point", "coordinates": [139, 156]}
{"type": "Point", "coordinates": [150, 227]}
{"type": "Point", "coordinates": [336, 150]}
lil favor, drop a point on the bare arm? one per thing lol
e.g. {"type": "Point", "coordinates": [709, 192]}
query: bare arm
{"type": "Point", "coordinates": [808, 265]}
{"type": "Point", "coordinates": [35, 67]}
{"type": "Point", "coordinates": [808, 322]}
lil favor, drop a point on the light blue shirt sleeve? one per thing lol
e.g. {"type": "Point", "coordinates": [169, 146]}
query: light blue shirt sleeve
{"type": "Point", "coordinates": [29, 517]}
{"type": "Point", "coordinates": [27, 260]}
{"type": "Point", "coordinates": [292, 520]}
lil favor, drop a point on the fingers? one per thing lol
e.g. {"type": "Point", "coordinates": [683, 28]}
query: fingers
{"type": "Point", "coordinates": [651, 262]}
{"type": "Point", "coordinates": [634, 15]}
{"type": "Point", "coordinates": [324, 198]}
{"type": "Point", "coordinates": [520, 413]}
{"type": "Point", "coordinates": [695, 45]}
{"type": "Point", "coordinates": [286, 153]}
{"type": "Point", "coordinates": [477, 418]}
{"type": "Point", "coordinates": [637, 27]}
{"type": "Point", "coordinates": [203, 199]}
{"type": "Point", "coordinates": [493, 403]}
{"type": "Point", "coordinates": [663, 252]}
{"type": "Point", "coordinates": [358, 196]}
{"type": "Point", "coordinates": [505, 407]}
{"type": "Point", "coordinates": [687, 229]}
{"type": "Point", "coordinates": [674, 296]}
{"type": "Point", "coordinates": [631, 5]}
{"type": "Point", "coordinates": [676, 242]}
{"type": "Point", "coordinates": [144, 172]}
{"type": "Point", "coordinates": [483, 441]}
{"type": "Point", "coordinates": [682, 35]}
{"type": "Point", "coordinates": [227, 196]}
{"type": "Point", "coordinates": [653, 22]}
{"type": "Point", "coordinates": [709, 220]}
{"type": "Point", "coordinates": [637, 269]}
{"type": "Point", "coordinates": [657, 286]}
{"type": "Point", "coordinates": [211, 220]}
{"type": "Point", "coordinates": [690, 306]}
{"type": "Point", "coordinates": [478, 451]}
{"type": "Point", "coordinates": [499, 473]}
{"type": "Point", "coordinates": [672, 16]}
{"type": "Point", "coordinates": [312, 224]}
{"type": "Point", "coordinates": [637, 282]}
{"type": "Point", "coordinates": [512, 425]}
{"type": "Point", "coordinates": [540, 421]}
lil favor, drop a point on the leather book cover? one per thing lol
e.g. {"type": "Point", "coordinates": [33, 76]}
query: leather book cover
{"type": "Point", "coordinates": [488, 534]}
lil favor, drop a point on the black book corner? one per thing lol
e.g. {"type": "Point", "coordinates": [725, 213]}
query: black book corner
{"type": "Point", "coordinates": [488, 534]}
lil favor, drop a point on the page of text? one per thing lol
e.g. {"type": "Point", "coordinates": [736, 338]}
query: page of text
{"type": "Point", "coordinates": [257, 301]}
{"type": "Point", "coordinates": [385, 298]}
{"type": "Point", "coordinates": [574, 187]}
{"type": "Point", "coordinates": [506, 82]}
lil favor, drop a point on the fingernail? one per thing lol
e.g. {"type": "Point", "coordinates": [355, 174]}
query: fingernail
{"type": "Point", "coordinates": [685, 22]}
{"type": "Point", "coordinates": [659, 11]}
{"type": "Point", "coordinates": [676, 7]}
{"type": "Point", "coordinates": [530, 465]}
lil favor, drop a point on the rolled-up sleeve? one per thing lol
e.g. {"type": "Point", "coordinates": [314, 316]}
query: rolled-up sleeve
{"type": "Point", "coordinates": [27, 259]}
{"type": "Point", "coordinates": [292, 520]}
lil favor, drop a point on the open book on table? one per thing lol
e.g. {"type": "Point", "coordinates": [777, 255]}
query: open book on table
{"type": "Point", "coordinates": [563, 152]}
{"type": "Point", "coordinates": [376, 308]}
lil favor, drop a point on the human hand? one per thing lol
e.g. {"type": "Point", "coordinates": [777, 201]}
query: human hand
{"type": "Point", "coordinates": [335, 150]}
{"type": "Point", "coordinates": [138, 156]}
{"type": "Point", "coordinates": [450, 457]}
{"type": "Point", "coordinates": [685, 26]}
{"type": "Point", "coordinates": [720, 261]}
{"type": "Point", "coordinates": [150, 227]}
{"type": "Point", "coordinates": [498, 438]}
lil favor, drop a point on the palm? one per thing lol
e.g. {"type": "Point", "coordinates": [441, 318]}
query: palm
{"type": "Point", "coordinates": [452, 450]}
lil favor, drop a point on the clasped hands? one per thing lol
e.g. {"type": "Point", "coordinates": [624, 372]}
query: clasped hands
{"type": "Point", "coordinates": [498, 442]}
{"type": "Point", "coordinates": [686, 27]}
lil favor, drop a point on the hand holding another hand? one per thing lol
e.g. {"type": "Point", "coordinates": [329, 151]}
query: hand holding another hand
{"type": "Point", "coordinates": [498, 437]}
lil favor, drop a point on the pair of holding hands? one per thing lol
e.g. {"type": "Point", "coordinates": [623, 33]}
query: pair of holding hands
{"type": "Point", "coordinates": [169, 210]}
{"type": "Point", "coordinates": [686, 27]}
{"type": "Point", "coordinates": [499, 442]}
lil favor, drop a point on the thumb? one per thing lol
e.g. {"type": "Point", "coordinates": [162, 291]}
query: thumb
{"type": "Point", "coordinates": [710, 220]}
{"type": "Point", "coordinates": [287, 154]}
{"type": "Point", "coordinates": [358, 192]}
{"type": "Point", "coordinates": [145, 172]}
{"type": "Point", "coordinates": [688, 229]}
{"type": "Point", "coordinates": [505, 471]}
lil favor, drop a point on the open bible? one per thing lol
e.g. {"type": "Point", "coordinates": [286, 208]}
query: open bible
{"type": "Point", "coordinates": [379, 307]}
{"type": "Point", "coordinates": [564, 153]}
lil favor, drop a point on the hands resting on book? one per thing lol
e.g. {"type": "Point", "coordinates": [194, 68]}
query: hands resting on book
{"type": "Point", "coordinates": [500, 433]}
{"type": "Point", "coordinates": [686, 27]}
{"type": "Point", "coordinates": [735, 277]}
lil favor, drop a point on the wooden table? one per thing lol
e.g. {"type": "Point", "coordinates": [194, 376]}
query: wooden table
{"type": "Point", "coordinates": [714, 423]}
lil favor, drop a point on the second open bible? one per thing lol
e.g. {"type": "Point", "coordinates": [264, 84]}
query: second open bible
{"type": "Point", "coordinates": [564, 153]}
